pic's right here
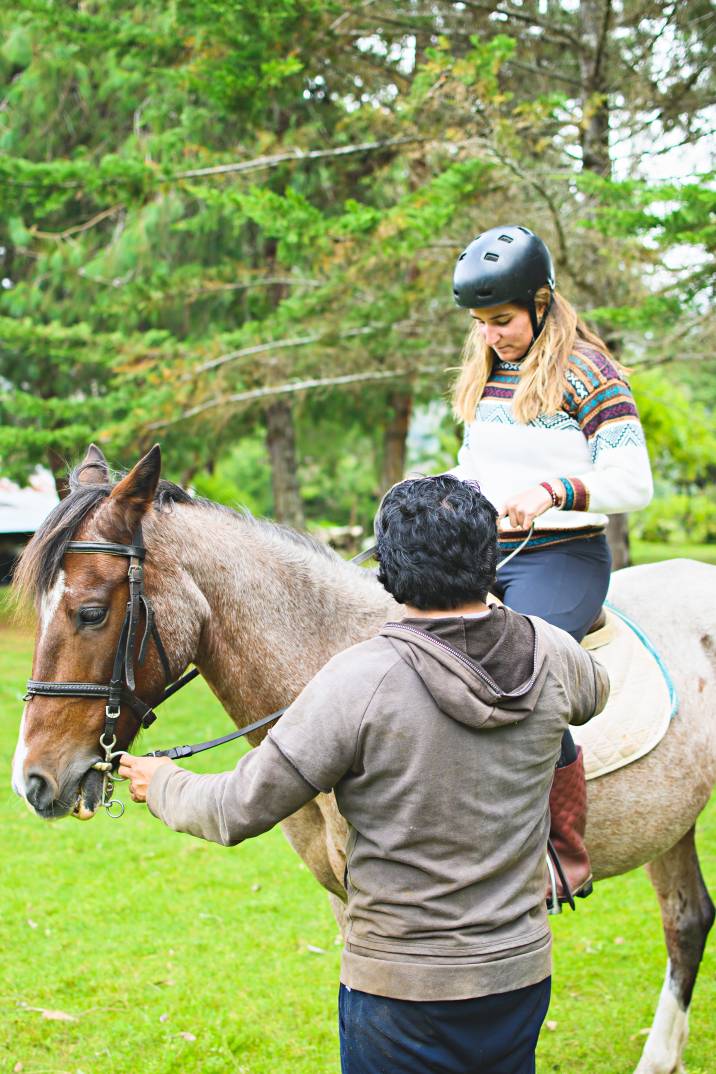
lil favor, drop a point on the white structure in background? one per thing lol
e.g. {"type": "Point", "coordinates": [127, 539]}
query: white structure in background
{"type": "Point", "coordinates": [22, 510]}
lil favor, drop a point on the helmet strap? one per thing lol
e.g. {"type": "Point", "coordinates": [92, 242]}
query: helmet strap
{"type": "Point", "coordinates": [537, 326]}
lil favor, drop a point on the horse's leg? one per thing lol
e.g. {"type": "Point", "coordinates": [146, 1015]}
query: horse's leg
{"type": "Point", "coordinates": [317, 834]}
{"type": "Point", "coordinates": [687, 913]}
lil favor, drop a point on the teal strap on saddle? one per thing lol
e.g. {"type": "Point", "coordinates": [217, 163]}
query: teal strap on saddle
{"type": "Point", "coordinates": [673, 696]}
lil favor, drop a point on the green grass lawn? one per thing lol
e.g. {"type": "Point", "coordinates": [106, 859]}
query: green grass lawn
{"type": "Point", "coordinates": [649, 552]}
{"type": "Point", "coordinates": [129, 948]}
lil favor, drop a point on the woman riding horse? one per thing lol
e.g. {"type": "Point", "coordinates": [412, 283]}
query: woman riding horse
{"type": "Point", "coordinates": [553, 436]}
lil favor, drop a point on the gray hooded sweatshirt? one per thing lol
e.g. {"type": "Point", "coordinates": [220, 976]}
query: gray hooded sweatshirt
{"type": "Point", "coordinates": [439, 738]}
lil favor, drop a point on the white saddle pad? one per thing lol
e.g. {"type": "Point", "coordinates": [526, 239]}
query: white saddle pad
{"type": "Point", "coordinates": [641, 702]}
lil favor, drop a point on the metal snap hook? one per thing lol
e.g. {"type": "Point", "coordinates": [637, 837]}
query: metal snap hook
{"type": "Point", "coordinates": [108, 746]}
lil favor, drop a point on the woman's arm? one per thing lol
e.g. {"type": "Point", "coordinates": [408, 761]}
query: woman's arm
{"type": "Point", "coordinates": [620, 479]}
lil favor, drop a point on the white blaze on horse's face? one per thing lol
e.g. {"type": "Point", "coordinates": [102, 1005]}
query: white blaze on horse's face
{"type": "Point", "coordinates": [48, 609]}
{"type": "Point", "coordinates": [18, 761]}
{"type": "Point", "coordinates": [50, 603]}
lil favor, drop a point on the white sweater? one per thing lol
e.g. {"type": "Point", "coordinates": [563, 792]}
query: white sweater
{"type": "Point", "coordinates": [596, 439]}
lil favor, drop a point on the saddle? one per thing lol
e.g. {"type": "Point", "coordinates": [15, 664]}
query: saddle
{"type": "Point", "coordinates": [642, 699]}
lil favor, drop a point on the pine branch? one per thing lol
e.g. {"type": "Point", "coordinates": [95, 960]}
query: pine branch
{"type": "Point", "coordinates": [295, 386]}
{"type": "Point", "coordinates": [531, 20]}
{"type": "Point", "coordinates": [77, 228]}
{"type": "Point", "coordinates": [298, 341]}
{"type": "Point", "coordinates": [548, 72]}
{"type": "Point", "coordinates": [295, 155]}
{"type": "Point", "coordinates": [275, 345]}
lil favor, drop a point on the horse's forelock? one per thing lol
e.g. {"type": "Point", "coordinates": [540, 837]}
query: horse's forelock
{"type": "Point", "coordinates": [42, 558]}
{"type": "Point", "coordinates": [38, 566]}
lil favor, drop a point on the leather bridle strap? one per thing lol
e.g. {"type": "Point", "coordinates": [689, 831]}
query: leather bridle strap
{"type": "Point", "coordinates": [121, 687]}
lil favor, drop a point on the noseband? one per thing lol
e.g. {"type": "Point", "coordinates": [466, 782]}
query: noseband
{"type": "Point", "coordinates": [120, 690]}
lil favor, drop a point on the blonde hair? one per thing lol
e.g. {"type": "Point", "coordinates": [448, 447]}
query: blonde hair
{"type": "Point", "coordinates": [542, 372]}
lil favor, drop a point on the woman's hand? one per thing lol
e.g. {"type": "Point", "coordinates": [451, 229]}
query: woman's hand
{"type": "Point", "coordinates": [139, 772]}
{"type": "Point", "coordinates": [526, 506]}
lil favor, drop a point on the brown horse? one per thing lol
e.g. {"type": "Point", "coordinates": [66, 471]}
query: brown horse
{"type": "Point", "coordinates": [259, 609]}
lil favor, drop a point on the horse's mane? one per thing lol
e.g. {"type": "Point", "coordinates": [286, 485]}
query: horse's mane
{"type": "Point", "coordinates": [40, 562]}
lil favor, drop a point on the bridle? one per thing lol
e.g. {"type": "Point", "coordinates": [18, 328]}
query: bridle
{"type": "Point", "coordinates": [121, 689]}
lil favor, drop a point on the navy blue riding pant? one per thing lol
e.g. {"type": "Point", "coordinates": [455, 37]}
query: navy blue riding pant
{"type": "Point", "coordinates": [488, 1035]}
{"type": "Point", "coordinates": [565, 584]}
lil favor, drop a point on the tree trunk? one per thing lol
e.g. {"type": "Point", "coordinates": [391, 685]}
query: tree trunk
{"type": "Point", "coordinates": [595, 16]}
{"type": "Point", "coordinates": [58, 465]}
{"type": "Point", "coordinates": [395, 439]}
{"type": "Point", "coordinates": [618, 537]}
{"type": "Point", "coordinates": [281, 443]}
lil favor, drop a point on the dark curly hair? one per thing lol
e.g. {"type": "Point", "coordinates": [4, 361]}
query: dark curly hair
{"type": "Point", "coordinates": [436, 542]}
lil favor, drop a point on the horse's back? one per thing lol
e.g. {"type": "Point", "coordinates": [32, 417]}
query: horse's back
{"type": "Point", "coordinates": [640, 811]}
{"type": "Point", "coordinates": [680, 591]}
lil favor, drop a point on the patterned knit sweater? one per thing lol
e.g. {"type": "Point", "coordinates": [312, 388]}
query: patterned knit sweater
{"type": "Point", "coordinates": [595, 441]}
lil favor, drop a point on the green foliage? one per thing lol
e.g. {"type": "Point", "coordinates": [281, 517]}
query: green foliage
{"type": "Point", "coordinates": [680, 432]}
{"type": "Point", "coordinates": [678, 519]}
{"type": "Point", "coordinates": [145, 297]}
{"type": "Point", "coordinates": [241, 479]}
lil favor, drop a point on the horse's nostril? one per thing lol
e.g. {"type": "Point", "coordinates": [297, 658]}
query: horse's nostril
{"type": "Point", "coordinates": [40, 793]}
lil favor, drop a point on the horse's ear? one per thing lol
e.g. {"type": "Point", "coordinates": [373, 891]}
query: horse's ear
{"type": "Point", "coordinates": [133, 495]}
{"type": "Point", "coordinates": [93, 470]}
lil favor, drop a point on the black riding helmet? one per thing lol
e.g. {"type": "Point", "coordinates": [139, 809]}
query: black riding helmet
{"type": "Point", "coordinates": [504, 264]}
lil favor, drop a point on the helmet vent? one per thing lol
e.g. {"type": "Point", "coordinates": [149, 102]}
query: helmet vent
{"type": "Point", "coordinates": [491, 257]}
{"type": "Point", "coordinates": [526, 230]}
{"type": "Point", "coordinates": [506, 238]}
{"type": "Point", "coordinates": [462, 255]}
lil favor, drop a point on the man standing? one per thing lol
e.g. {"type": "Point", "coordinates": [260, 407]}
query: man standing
{"type": "Point", "coordinates": [439, 738]}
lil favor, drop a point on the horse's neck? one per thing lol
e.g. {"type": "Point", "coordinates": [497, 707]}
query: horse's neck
{"type": "Point", "coordinates": [273, 609]}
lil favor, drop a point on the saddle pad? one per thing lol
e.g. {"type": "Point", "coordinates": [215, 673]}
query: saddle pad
{"type": "Point", "coordinates": [641, 701]}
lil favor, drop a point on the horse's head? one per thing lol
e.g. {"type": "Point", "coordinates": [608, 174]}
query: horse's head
{"type": "Point", "coordinates": [81, 601]}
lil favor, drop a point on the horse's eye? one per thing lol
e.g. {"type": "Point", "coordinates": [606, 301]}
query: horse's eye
{"type": "Point", "coordinates": [91, 616]}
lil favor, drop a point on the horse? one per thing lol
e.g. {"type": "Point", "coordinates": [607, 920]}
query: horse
{"type": "Point", "coordinates": [259, 608]}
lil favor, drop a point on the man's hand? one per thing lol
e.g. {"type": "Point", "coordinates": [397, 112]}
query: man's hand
{"type": "Point", "coordinates": [526, 506]}
{"type": "Point", "coordinates": [139, 771]}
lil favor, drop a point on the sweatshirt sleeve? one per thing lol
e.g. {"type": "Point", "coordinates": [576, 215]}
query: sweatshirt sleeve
{"type": "Point", "coordinates": [227, 808]}
{"type": "Point", "coordinates": [601, 400]}
{"type": "Point", "coordinates": [589, 686]}
{"type": "Point", "coordinates": [310, 748]}
{"type": "Point", "coordinates": [584, 681]}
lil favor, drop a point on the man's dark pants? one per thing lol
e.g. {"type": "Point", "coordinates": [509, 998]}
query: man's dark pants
{"type": "Point", "coordinates": [487, 1035]}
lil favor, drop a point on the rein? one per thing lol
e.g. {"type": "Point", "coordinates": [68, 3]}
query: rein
{"type": "Point", "coordinates": [121, 687]}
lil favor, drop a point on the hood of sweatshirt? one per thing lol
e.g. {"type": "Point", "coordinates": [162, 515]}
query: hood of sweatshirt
{"type": "Point", "coordinates": [483, 672]}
